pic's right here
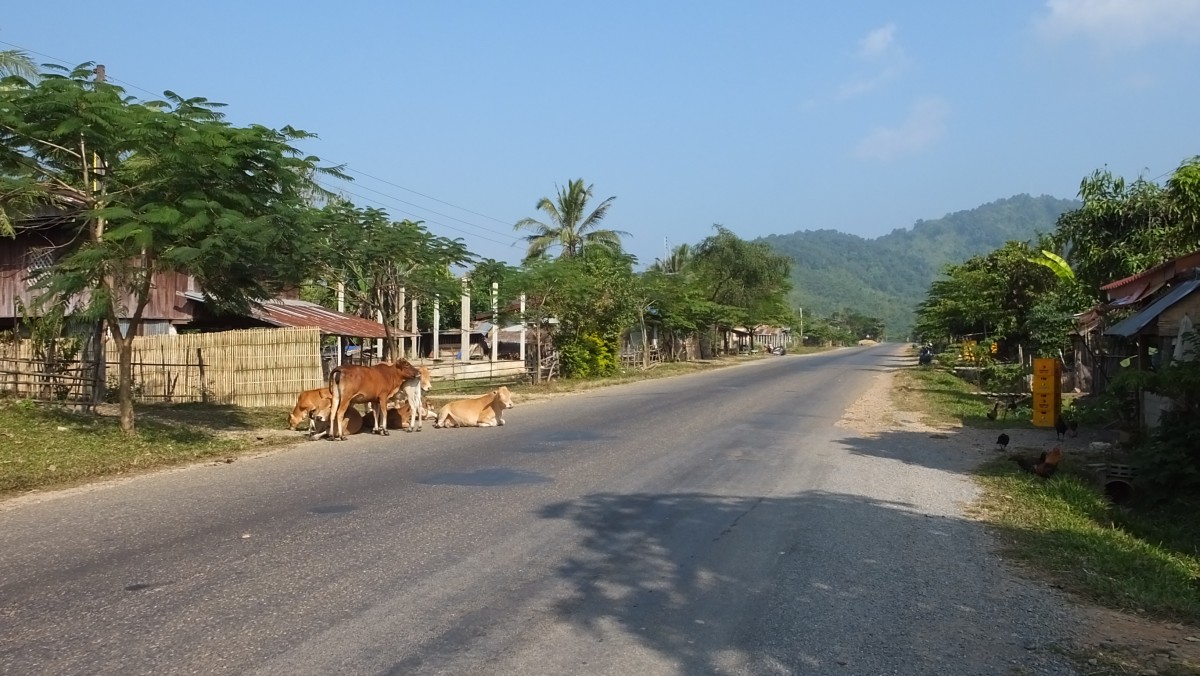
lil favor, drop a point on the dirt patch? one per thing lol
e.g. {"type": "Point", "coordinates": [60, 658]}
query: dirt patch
{"type": "Point", "coordinates": [1107, 641]}
{"type": "Point", "coordinates": [1120, 643]}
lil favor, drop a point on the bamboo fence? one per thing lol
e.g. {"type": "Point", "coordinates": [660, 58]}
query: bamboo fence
{"type": "Point", "coordinates": [254, 367]}
{"type": "Point", "coordinates": [22, 374]}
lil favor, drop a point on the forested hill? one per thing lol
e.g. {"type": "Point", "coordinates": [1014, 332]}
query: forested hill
{"type": "Point", "coordinates": [887, 276]}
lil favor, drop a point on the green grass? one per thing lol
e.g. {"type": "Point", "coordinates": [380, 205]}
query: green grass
{"type": "Point", "coordinates": [1064, 529]}
{"type": "Point", "coordinates": [1142, 558]}
{"type": "Point", "coordinates": [49, 447]}
{"type": "Point", "coordinates": [946, 398]}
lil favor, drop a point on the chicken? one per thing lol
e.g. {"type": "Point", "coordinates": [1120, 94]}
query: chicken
{"type": "Point", "coordinates": [1073, 427]}
{"type": "Point", "coordinates": [994, 412]}
{"type": "Point", "coordinates": [1060, 426]}
{"type": "Point", "coordinates": [1002, 442]}
{"type": "Point", "coordinates": [1045, 466]}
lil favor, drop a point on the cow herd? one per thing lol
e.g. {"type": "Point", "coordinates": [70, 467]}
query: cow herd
{"type": "Point", "coordinates": [394, 395]}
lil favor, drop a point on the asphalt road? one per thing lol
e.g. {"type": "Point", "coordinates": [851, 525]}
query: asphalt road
{"type": "Point", "coordinates": [712, 523]}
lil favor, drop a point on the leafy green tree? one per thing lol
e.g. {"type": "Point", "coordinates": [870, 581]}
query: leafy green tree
{"type": "Point", "coordinates": [594, 299]}
{"type": "Point", "coordinates": [1123, 228]}
{"type": "Point", "coordinates": [1007, 294]}
{"type": "Point", "coordinates": [378, 258]}
{"type": "Point", "coordinates": [744, 282]}
{"type": "Point", "coordinates": [154, 187]}
{"type": "Point", "coordinates": [571, 227]}
{"type": "Point", "coordinates": [506, 277]}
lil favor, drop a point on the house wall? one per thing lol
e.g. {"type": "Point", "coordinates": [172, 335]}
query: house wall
{"type": "Point", "coordinates": [14, 268]}
{"type": "Point", "coordinates": [166, 303]}
{"type": "Point", "coordinates": [1168, 321]}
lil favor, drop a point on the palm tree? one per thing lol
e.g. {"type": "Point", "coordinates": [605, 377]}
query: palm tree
{"type": "Point", "coordinates": [679, 260]}
{"type": "Point", "coordinates": [568, 227]}
{"type": "Point", "coordinates": [16, 62]}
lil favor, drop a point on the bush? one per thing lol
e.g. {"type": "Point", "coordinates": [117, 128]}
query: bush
{"type": "Point", "coordinates": [997, 377]}
{"type": "Point", "coordinates": [586, 356]}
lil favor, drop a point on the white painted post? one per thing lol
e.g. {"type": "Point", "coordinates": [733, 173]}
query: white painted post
{"type": "Point", "coordinates": [464, 349]}
{"type": "Point", "coordinates": [341, 306]}
{"type": "Point", "coordinates": [522, 328]}
{"type": "Point", "coordinates": [416, 346]}
{"type": "Point", "coordinates": [495, 338]}
{"type": "Point", "coordinates": [401, 342]}
{"type": "Point", "coordinates": [437, 330]}
{"type": "Point", "coordinates": [379, 341]}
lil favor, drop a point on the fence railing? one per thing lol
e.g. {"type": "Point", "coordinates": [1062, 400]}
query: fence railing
{"type": "Point", "coordinates": [254, 367]}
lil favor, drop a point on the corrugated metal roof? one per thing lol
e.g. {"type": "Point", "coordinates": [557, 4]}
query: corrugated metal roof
{"type": "Point", "coordinates": [1134, 324]}
{"type": "Point", "coordinates": [299, 313]}
{"type": "Point", "coordinates": [1170, 268]}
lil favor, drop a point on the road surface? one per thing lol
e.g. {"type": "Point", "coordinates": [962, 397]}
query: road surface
{"type": "Point", "coordinates": [718, 522]}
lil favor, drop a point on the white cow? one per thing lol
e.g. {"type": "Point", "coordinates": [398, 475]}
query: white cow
{"type": "Point", "coordinates": [413, 390]}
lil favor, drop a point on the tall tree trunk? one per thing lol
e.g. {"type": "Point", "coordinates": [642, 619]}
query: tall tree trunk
{"type": "Point", "coordinates": [125, 378]}
{"type": "Point", "coordinates": [645, 340]}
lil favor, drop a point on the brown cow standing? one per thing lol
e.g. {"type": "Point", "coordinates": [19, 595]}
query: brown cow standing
{"type": "Point", "coordinates": [373, 385]}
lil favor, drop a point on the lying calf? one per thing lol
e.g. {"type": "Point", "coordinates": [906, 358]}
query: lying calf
{"type": "Point", "coordinates": [482, 411]}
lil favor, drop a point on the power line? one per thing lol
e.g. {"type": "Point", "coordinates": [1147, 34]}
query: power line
{"type": "Point", "coordinates": [336, 188]}
{"type": "Point", "coordinates": [64, 62]}
{"type": "Point", "coordinates": [438, 213]}
{"type": "Point", "coordinates": [394, 185]}
{"type": "Point", "coordinates": [348, 170]}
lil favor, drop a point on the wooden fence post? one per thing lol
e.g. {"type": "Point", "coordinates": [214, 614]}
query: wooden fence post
{"type": "Point", "coordinates": [203, 382]}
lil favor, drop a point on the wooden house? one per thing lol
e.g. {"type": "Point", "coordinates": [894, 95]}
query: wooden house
{"type": "Point", "coordinates": [176, 300]}
{"type": "Point", "coordinates": [1166, 297]}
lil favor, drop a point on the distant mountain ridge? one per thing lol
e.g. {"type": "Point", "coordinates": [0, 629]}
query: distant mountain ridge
{"type": "Point", "coordinates": [888, 276]}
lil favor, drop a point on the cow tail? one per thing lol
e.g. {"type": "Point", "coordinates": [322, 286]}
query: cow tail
{"type": "Point", "coordinates": [335, 420]}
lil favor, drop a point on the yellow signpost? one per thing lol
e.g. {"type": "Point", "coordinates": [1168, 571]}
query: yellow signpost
{"type": "Point", "coordinates": [1047, 392]}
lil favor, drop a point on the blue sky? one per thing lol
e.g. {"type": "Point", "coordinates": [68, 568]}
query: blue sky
{"type": "Point", "coordinates": [766, 117]}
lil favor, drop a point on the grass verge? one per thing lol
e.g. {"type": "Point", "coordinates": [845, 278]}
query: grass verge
{"type": "Point", "coordinates": [946, 398]}
{"type": "Point", "coordinates": [1142, 558]}
{"type": "Point", "coordinates": [42, 447]}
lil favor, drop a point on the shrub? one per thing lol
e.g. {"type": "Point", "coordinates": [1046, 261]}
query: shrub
{"type": "Point", "coordinates": [586, 356]}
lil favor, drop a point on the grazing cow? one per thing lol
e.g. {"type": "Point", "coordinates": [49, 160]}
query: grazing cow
{"type": "Point", "coordinates": [413, 389]}
{"type": "Point", "coordinates": [373, 385]}
{"type": "Point", "coordinates": [311, 404]}
{"type": "Point", "coordinates": [482, 411]}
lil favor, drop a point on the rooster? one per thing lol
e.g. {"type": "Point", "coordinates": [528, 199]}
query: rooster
{"type": "Point", "coordinates": [994, 412]}
{"type": "Point", "coordinates": [1002, 442]}
{"type": "Point", "coordinates": [1045, 466]}
{"type": "Point", "coordinates": [1060, 426]}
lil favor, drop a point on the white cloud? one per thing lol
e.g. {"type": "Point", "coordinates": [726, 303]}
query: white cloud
{"type": "Point", "coordinates": [861, 86]}
{"type": "Point", "coordinates": [1121, 23]}
{"type": "Point", "coordinates": [877, 42]}
{"type": "Point", "coordinates": [880, 50]}
{"type": "Point", "coordinates": [926, 123]}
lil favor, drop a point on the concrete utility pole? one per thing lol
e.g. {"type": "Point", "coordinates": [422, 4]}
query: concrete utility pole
{"type": "Point", "coordinates": [436, 353]}
{"type": "Point", "coordinates": [401, 343]}
{"type": "Point", "coordinates": [464, 351]}
{"type": "Point", "coordinates": [341, 306]}
{"type": "Point", "coordinates": [495, 341]}
{"type": "Point", "coordinates": [416, 341]}
{"type": "Point", "coordinates": [522, 328]}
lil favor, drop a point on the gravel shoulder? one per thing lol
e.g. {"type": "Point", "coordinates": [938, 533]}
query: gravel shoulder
{"type": "Point", "coordinates": [1100, 640]}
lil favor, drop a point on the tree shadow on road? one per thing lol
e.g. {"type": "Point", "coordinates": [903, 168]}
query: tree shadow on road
{"type": "Point", "coordinates": [747, 584]}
